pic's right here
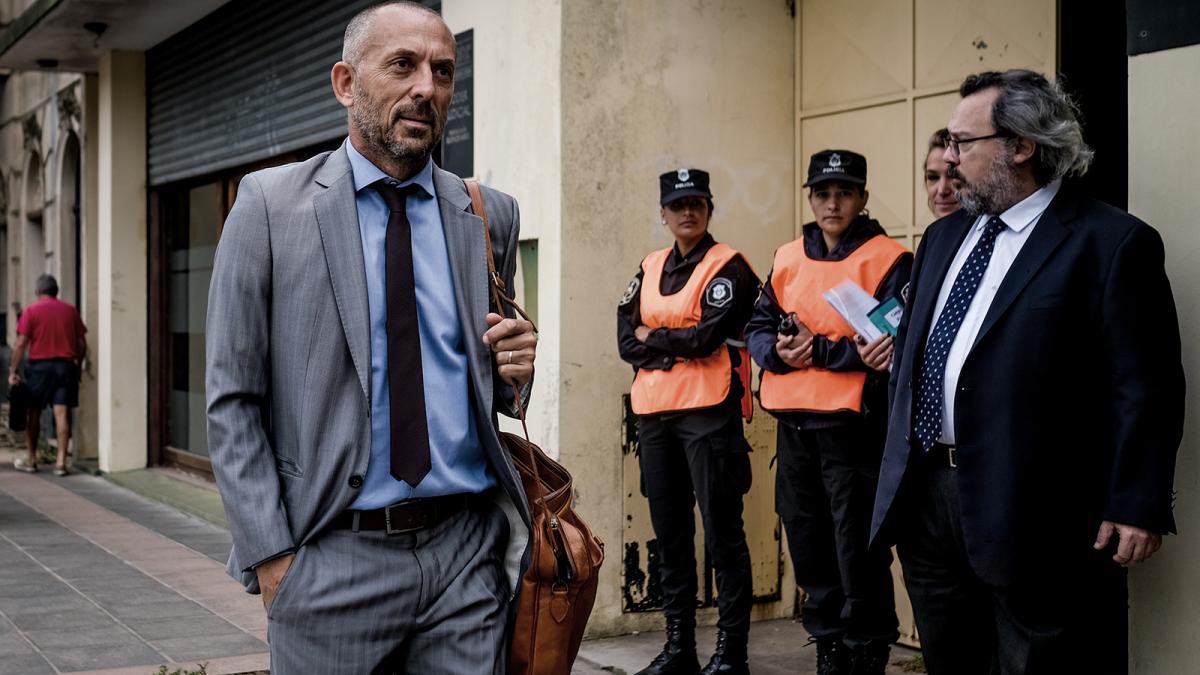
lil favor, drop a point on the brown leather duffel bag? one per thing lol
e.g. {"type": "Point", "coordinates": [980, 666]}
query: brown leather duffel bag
{"type": "Point", "coordinates": [558, 588]}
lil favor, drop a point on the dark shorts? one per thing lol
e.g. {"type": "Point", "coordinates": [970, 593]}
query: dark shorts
{"type": "Point", "coordinates": [52, 382]}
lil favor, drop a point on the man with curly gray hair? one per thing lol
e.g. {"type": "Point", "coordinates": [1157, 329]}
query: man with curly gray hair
{"type": "Point", "coordinates": [1037, 400]}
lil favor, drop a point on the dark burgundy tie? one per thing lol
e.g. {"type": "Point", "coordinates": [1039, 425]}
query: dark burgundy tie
{"type": "Point", "coordinates": [406, 384]}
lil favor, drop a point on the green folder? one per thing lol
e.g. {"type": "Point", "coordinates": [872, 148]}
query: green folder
{"type": "Point", "coordinates": [886, 316]}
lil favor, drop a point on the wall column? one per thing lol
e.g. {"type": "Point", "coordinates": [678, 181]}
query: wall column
{"type": "Point", "coordinates": [121, 266]}
{"type": "Point", "coordinates": [1164, 634]}
{"type": "Point", "coordinates": [86, 421]}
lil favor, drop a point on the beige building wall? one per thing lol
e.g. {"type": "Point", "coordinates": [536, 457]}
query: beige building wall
{"type": "Point", "coordinates": [44, 115]}
{"type": "Point", "coordinates": [39, 112]}
{"type": "Point", "coordinates": [87, 428]}
{"type": "Point", "coordinates": [880, 76]}
{"type": "Point", "coordinates": [121, 262]}
{"type": "Point", "coordinates": [516, 77]}
{"type": "Point", "coordinates": [1163, 147]}
{"type": "Point", "coordinates": [649, 87]}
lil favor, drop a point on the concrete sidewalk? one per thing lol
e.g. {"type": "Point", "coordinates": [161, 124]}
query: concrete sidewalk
{"type": "Point", "coordinates": [86, 589]}
{"type": "Point", "coordinates": [776, 648]}
{"type": "Point", "coordinates": [97, 579]}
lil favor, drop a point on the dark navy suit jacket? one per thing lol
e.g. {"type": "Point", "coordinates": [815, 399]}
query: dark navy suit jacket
{"type": "Point", "coordinates": [1069, 408]}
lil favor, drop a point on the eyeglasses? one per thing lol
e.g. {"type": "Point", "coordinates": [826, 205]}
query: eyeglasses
{"type": "Point", "coordinates": [955, 144]}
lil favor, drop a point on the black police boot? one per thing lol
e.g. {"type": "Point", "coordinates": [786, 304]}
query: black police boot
{"type": "Point", "coordinates": [832, 656]}
{"type": "Point", "coordinates": [870, 659]}
{"type": "Point", "coordinates": [678, 655]}
{"type": "Point", "coordinates": [729, 658]}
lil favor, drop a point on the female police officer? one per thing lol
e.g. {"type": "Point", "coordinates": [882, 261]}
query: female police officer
{"type": "Point", "coordinates": [679, 325]}
{"type": "Point", "coordinates": [940, 188]}
{"type": "Point", "coordinates": [829, 393]}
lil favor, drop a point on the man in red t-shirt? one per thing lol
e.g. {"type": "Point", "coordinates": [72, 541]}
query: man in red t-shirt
{"type": "Point", "coordinates": [57, 341]}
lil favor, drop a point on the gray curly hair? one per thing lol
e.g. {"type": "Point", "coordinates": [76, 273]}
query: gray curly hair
{"type": "Point", "coordinates": [1030, 106]}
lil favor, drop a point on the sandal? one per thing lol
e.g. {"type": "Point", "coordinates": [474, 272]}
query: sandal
{"type": "Point", "coordinates": [60, 470]}
{"type": "Point", "coordinates": [20, 464]}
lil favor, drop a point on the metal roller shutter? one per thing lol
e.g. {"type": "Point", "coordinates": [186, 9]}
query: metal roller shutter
{"type": "Point", "coordinates": [247, 82]}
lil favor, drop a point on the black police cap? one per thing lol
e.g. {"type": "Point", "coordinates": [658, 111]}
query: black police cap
{"type": "Point", "coordinates": [845, 165]}
{"type": "Point", "coordinates": [683, 183]}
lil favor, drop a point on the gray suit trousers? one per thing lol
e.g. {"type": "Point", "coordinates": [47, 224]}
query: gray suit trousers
{"type": "Point", "coordinates": [430, 602]}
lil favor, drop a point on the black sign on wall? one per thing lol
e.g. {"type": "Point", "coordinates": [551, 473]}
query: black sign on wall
{"type": "Point", "coordinates": [458, 139]}
{"type": "Point", "coordinates": [1155, 25]}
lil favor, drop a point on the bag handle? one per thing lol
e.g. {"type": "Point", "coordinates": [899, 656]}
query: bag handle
{"type": "Point", "coordinates": [500, 299]}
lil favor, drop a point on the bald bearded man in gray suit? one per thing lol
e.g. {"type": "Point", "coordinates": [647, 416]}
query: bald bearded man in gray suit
{"type": "Point", "coordinates": [354, 375]}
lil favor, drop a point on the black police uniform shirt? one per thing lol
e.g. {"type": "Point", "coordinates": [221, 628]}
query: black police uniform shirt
{"type": "Point", "coordinates": [724, 310]}
{"type": "Point", "coordinates": [838, 355]}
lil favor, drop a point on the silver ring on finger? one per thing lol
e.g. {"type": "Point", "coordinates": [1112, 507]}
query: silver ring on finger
{"type": "Point", "coordinates": [508, 358]}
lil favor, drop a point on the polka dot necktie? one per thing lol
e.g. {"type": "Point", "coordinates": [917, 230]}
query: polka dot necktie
{"type": "Point", "coordinates": [930, 388]}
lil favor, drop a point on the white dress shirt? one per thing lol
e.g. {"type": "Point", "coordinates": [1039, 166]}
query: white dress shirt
{"type": "Point", "coordinates": [1019, 221]}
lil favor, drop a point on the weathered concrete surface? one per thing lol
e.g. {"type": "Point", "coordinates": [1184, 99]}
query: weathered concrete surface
{"type": "Point", "coordinates": [776, 648]}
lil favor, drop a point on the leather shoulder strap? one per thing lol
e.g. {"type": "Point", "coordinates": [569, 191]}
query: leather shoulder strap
{"type": "Point", "coordinates": [500, 297]}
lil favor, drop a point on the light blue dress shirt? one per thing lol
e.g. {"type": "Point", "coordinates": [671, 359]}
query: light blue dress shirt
{"type": "Point", "coordinates": [457, 457]}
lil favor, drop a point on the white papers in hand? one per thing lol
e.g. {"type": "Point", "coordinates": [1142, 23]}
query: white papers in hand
{"type": "Point", "coordinates": [854, 304]}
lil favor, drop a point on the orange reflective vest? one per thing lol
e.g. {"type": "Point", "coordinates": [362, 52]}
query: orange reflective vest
{"type": "Point", "coordinates": [798, 283]}
{"type": "Point", "coordinates": [695, 383]}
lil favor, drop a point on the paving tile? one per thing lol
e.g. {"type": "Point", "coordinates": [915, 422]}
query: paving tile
{"type": "Point", "coordinates": [148, 595]}
{"type": "Point", "coordinates": [8, 548]}
{"type": "Point", "coordinates": [209, 577]}
{"type": "Point", "coordinates": [79, 636]}
{"type": "Point", "coordinates": [228, 604]}
{"type": "Point", "coordinates": [200, 535]}
{"type": "Point", "coordinates": [55, 603]}
{"type": "Point", "coordinates": [185, 565]}
{"type": "Point", "coordinates": [61, 560]}
{"type": "Point", "coordinates": [127, 536]}
{"type": "Point", "coordinates": [12, 644]}
{"type": "Point", "coordinates": [42, 533]}
{"type": "Point", "coordinates": [182, 627]}
{"type": "Point", "coordinates": [131, 581]}
{"type": "Point", "coordinates": [30, 664]}
{"type": "Point", "coordinates": [112, 568]}
{"type": "Point", "coordinates": [22, 537]}
{"type": "Point", "coordinates": [128, 653]}
{"type": "Point", "coordinates": [76, 547]}
{"type": "Point", "coordinates": [95, 559]}
{"type": "Point", "coordinates": [159, 610]}
{"type": "Point", "coordinates": [36, 620]}
{"type": "Point", "coordinates": [14, 568]}
{"type": "Point", "coordinates": [115, 562]}
{"type": "Point", "coordinates": [208, 646]}
{"type": "Point", "coordinates": [252, 622]}
{"type": "Point", "coordinates": [42, 587]}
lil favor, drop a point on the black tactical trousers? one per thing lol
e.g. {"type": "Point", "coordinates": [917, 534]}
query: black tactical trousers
{"type": "Point", "coordinates": [699, 458]}
{"type": "Point", "coordinates": [824, 493]}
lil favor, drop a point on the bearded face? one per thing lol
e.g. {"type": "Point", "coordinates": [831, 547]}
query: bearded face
{"type": "Point", "coordinates": [993, 192]}
{"type": "Point", "coordinates": [391, 131]}
{"type": "Point", "coordinates": [397, 82]}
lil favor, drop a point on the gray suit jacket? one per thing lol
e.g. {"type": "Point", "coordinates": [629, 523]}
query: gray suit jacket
{"type": "Point", "coordinates": [288, 350]}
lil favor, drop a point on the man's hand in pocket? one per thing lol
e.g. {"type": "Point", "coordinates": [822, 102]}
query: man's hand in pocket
{"type": "Point", "coordinates": [271, 574]}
